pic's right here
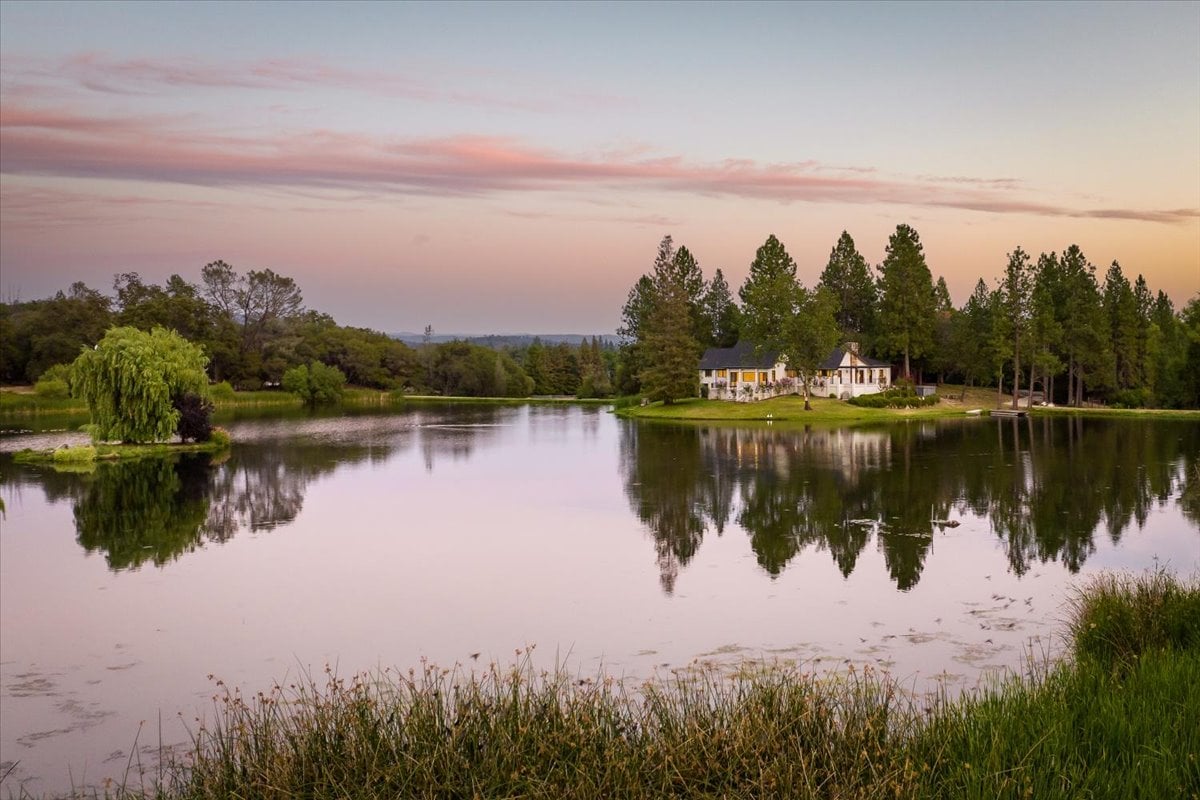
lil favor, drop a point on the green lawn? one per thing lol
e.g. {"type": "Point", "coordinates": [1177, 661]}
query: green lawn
{"type": "Point", "coordinates": [786, 409]}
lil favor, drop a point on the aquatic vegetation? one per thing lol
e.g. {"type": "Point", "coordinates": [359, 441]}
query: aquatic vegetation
{"type": "Point", "coordinates": [1078, 728]}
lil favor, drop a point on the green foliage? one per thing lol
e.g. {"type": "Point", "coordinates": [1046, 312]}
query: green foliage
{"type": "Point", "coordinates": [222, 391]}
{"type": "Point", "coordinates": [55, 383]}
{"type": "Point", "coordinates": [848, 276]}
{"type": "Point", "coordinates": [723, 315]}
{"type": "Point", "coordinates": [899, 396]}
{"type": "Point", "coordinates": [670, 352]}
{"type": "Point", "coordinates": [131, 378]}
{"type": "Point", "coordinates": [48, 389]}
{"type": "Point", "coordinates": [315, 383]}
{"type": "Point", "coordinates": [220, 438]}
{"type": "Point", "coordinates": [470, 370]}
{"type": "Point", "coordinates": [768, 296]}
{"type": "Point", "coordinates": [79, 454]}
{"type": "Point", "coordinates": [907, 305]}
{"type": "Point", "coordinates": [1118, 618]}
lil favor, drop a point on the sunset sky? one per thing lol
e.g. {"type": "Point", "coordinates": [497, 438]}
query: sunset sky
{"type": "Point", "coordinates": [512, 167]}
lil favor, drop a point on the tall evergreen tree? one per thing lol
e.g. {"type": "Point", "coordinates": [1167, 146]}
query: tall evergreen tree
{"type": "Point", "coordinates": [941, 295]}
{"type": "Point", "coordinates": [906, 311]}
{"type": "Point", "coordinates": [1045, 332]}
{"type": "Point", "coordinates": [973, 336]}
{"type": "Point", "coordinates": [768, 296]}
{"type": "Point", "coordinates": [669, 350]}
{"type": "Point", "coordinates": [1014, 294]}
{"type": "Point", "coordinates": [632, 334]}
{"type": "Point", "coordinates": [1081, 315]}
{"type": "Point", "coordinates": [724, 317]}
{"type": "Point", "coordinates": [1120, 308]}
{"type": "Point", "coordinates": [1145, 340]}
{"type": "Point", "coordinates": [848, 277]}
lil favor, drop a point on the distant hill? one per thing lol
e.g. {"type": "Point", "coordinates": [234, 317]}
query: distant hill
{"type": "Point", "coordinates": [500, 340]}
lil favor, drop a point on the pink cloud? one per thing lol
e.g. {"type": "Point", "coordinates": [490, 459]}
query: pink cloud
{"type": "Point", "coordinates": [36, 141]}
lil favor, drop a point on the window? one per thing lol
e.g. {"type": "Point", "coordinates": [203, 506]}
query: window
{"type": "Point", "coordinates": [791, 373]}
{"type": "Point", "coordinates": [708, 373]}
{"type": "Point", "coordinates": [733, 377]}
{"type": "Point", "coordinates": [721, 374]}
{"type": "Point", "coordinates": [762, 377]}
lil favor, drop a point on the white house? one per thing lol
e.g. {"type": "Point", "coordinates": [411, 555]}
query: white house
{"type": "Point", "coordinates": [738, 373]}
{"type": "Point", "coordinates": [846, 373]}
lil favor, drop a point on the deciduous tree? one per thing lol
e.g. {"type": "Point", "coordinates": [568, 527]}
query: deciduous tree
{"type": "Point", "coordinates": [131, 379]}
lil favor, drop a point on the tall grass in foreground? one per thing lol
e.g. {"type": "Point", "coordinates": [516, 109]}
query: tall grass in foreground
{"type": "Point", "coordinates": [1120, 719]}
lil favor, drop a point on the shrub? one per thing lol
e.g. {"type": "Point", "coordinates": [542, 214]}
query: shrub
{"type": "Point", "coordinates": [221, 438]}
{"type": "Point", "coordinates": [54, 383]}
{"type": "Point", "coordinates": [222, 391]}
{"type": "Point", "coordinates": [901, 395]}
{"type": "Point", "coordinates": [1131, 398]}
{"type": "Point", "coordinates": [195, 417]}
{"type": "Point", "coordinates": [79, 454]}
{"type": "Point", "coordinates": [49, 389]}
{"type": "Point", "coordinates": [315, 383]}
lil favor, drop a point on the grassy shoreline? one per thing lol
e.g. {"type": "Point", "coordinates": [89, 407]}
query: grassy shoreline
{"type": "Point", "coordinates": [790, 408]}
{"type": "Point", "coordinates": [88, 454]}
{"type": "Point", "coordinates": [21, 404]}
{"type": "Point", "coordinates": [1114, 720]}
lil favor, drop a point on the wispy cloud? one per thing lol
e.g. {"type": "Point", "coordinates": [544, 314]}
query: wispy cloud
{"type": "Point", "coordinates": [99, 72]}
{"type": "Point", "coordinates": [39, 141]}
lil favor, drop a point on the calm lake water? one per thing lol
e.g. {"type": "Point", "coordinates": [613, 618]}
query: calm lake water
{"type": "Point", "coordinates": [938, 551]}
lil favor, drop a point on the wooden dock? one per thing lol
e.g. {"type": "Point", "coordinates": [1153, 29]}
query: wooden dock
{"type": "Point", "coordinates": [1008, 412]}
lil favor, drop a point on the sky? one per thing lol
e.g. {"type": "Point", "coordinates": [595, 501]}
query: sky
{"type": "Point", "coordinates": [505, 168]}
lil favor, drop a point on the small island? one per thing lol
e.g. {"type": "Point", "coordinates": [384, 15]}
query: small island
{"type": "Point", "coordinates": [147, 394]}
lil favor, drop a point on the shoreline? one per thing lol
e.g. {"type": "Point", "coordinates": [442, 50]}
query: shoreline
{"type": "Point", "coordinates": [790, 408]}
{"type": "Point", "coordinates": [22, 404]}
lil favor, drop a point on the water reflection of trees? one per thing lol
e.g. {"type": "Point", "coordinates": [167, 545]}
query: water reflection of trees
{"type": "Point", "coordinates": [1048, 487]}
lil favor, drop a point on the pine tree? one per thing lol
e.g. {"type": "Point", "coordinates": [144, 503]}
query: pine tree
{"type": "Point", "coordinates": [906, 311]}
{"type": "Point", "coordinates": [1081, 315]}
{"type": "Point", "coordinates": [768, 296]}
{"type": "Point", "coordinates": [1015, 292]}
{"type": "Point", "coordinates": [1144, 338]}
{"type": "Point", "coordinates": [721, 312]}
{"type": "Point", "coordinates": [686, 270]}
{"type": "Point", "coordinates": [669, 352]}
{"type": "Point", "coordinates": [1120, 308]}
{"type": "Point", "coordinates": [973, 339]}
{"type": "Point", "coordinates": [1045, 332]}
{"type": "Point", "coordinates": [848, 276]}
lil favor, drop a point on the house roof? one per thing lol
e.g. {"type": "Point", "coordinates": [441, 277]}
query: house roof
{"type": "Point", "coordinates": [834, 360]}
{"type": "Point", "coordinates": [740, 355]}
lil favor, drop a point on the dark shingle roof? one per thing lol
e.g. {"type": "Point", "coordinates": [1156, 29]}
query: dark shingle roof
{"type": "Point", "coordinates": [740, 355]}
{"type": "Point", "coordinates": [834, 360]}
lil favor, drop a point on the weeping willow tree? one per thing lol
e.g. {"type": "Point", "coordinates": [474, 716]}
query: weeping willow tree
{"type": "Point", "coordinates": [131, 379]}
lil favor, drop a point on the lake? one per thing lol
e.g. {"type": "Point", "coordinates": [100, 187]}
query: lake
{"type": "Point", "coordinates": [942, 552]}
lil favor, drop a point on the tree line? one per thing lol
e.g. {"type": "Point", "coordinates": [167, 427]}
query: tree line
{"type": "Point", "coordinates": [1046, 325]}
{"type": "Point", "coordinates": [254, 329]}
